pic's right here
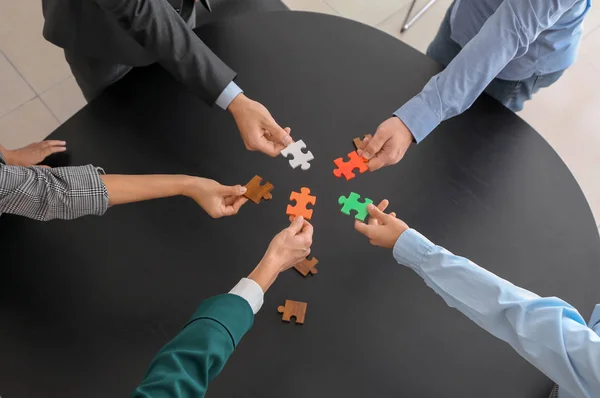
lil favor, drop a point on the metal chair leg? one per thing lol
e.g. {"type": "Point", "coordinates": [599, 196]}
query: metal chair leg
{"type": "Point", "coordinates": [408, 23]}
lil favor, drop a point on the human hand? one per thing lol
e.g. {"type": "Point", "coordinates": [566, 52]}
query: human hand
{"type": "Point", "coordinates": [383, 230]}
{"type": "Point", "coordinates": [287, 249]}
{"type": "Point", "coordinates": [32, 154]}
{"type": "Point", "coordinates": [388, 145]}
{"type": "Point", "coordinates": [216, 199]}
{"type": "Point", "coordinates": [257, 127]}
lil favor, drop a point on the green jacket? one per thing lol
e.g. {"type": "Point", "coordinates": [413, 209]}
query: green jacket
{"type": "Point", "coordinates": [185, 366]}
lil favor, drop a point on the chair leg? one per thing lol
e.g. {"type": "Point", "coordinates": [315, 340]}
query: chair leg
{"type": "Point", "coordinates": [408, 23]}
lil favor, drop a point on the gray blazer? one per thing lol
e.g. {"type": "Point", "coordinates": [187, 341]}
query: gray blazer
{"type": "Point", "coordinates": [138, 33]}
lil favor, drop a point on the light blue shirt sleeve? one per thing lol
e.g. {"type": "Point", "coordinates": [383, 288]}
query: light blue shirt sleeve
{"type": "Point", "coordinates": [228, 95]}
{"type": "Point", "coordinates": [546, 331]}
{"type": "Point", "coordinates": [504, 36]}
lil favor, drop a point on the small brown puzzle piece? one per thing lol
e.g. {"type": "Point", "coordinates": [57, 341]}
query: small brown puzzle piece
{"type": "Point", "coordinates": [255, 191]}
{"type": "Point", "coordinates": [294, 309]}
{"type": "Point", "coordinates": [307, 266]}
{"type": "Point", "coordinates": [302, 200]}
{"type": "Point", "coordinates": [358, 143]}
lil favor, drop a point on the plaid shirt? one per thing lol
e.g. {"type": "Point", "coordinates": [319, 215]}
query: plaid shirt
{"type": "Point", "coordinates": [45, 194]}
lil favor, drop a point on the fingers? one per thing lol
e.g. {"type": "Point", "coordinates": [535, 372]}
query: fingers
{"type": "Point", "coordinates": [238, 203]}
{"type": "Point", "coordinates": [377, 214]}
{"type": "Point", "coordinates": [381, 206]}
{"type": "Point", "coordinates": [374, 145]}
{"type": "Point", "coordinates": [296, 225]}
{"type": "Point", "coordinates": [366, 230]}
{"type": "Point", "coordinates": [376, 163]}
{"type": "Point", "coordinates": [235, 190]}
{"type": "Point", "coordinates": [393, 214]}
{"type": "Point", "coordinates": [278, 135]}
{"type": "Point", "coordinates": [49, 143]}
{"type": "Point", "coordinates": [50, 147]}
{"type": "Point", "coordinates": [307, 230]}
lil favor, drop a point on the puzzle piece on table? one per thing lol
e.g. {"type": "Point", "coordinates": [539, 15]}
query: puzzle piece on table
{"type": "Point", "coordinates": [299, 158]}
{"type": "Point", "coordinates": [307, 266]}
{"type": "Point", "coordinates": [358, 143]}
{"type": "Point", "coordinates": [302, 200]}
{"type": "Point", "coordinates": [294, 309]}
{"type": "Point", "coordinates": [345, 168]}
{"type": "Point", "coordinates": [352, 203]}
{"type": "Point", "coordinates": [255, 191]}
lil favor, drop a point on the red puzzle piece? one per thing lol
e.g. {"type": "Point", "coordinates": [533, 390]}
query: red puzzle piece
{"type": "Point", "coordinates": [302, 199]}
{"type": "Point", "coordinates": [345, 168]}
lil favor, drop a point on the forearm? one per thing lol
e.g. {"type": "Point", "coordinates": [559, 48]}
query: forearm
{"type": "Point", "coordinates": [547, 332]}
{"type": "Point", "coordinates": [185, 366]}
{"type": "Point", "coordinates": [44, 194]}
{"type": "Point", "coordinates": [124, 189]}
{"type": "Point", "coordinates": [157, 27]}
{"type": "Point", "coordinates": [504, 36]}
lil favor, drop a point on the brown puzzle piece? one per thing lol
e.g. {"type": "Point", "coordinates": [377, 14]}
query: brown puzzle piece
{"type": "Point", "coordinates": [255, 191]}
{"type": "Point", "coordinates": [358, 143]}
{"type": "Point", "coordinates": [294, 309]}
{"type": "Point", "coordinates": [307, 266]}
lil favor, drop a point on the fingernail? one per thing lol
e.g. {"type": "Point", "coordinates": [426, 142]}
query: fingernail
{"type": "Point", "coordinates": [287, 140]}
{"type": "Point", "coordinates": [366, 155]}
{"type": "Point", "coordinates": [300, 219]}
{"type": "Point", "coordinates": [360, 152]}
{"type": "Point", "coordinates": [370, 207]}
{"type": "Point", "coordinates": [63, 143]}
{"type": "Point", "coordinates": [242, 189]}
{"type": "Point", "coordinates": [63, 148]}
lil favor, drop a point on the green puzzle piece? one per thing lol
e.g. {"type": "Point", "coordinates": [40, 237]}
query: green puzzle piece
{"type": "Point", "coordinates": [352, 203]}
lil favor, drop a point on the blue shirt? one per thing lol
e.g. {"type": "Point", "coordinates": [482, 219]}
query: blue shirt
{"type": "Point", "coordinates": [546, 331]}
{"type": "Point", "coordinates": [508, 39]}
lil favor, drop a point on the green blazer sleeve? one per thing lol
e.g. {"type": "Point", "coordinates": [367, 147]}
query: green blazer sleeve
{"type": "Point", "coordinates": [185, 366]}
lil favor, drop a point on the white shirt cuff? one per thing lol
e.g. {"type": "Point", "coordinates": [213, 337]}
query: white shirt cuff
{"type": "Point", "coordinates": [251, 292]}
{"type": "Point", "coordinates": [231, 91]}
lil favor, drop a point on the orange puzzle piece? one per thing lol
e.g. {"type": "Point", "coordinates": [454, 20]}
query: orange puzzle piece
{"type": "Point", "coordinates": [255, 192]}
{"type": "Point", "coordinates": [345, 168]}
{"type": "Point", "coordinates": [302, 199]}
{"type": "Point", "coordinates": [358, 143]}
{"type": "Point", "coordinates": [294, 309]}
{"type": "Point", "coordinates": [307, 266]}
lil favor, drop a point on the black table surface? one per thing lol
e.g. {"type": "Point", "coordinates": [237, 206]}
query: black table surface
{"type": "Point", "coordinates": [85, 304]}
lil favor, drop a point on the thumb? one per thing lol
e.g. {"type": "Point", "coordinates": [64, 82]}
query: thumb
{"type": "Point", "coordinates": [377, 214]}
{"type": "Point", "coordinates": [374, 146]}
{"type": "Point", "coordinates": [296, 225]}
{"type": "Point", "coordinates": [279, 135]}
{"type": "Point", "coordinates": [235, 190]}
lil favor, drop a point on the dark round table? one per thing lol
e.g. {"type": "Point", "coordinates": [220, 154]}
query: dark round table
{"type": "Point", "coordinates": [85, 304]}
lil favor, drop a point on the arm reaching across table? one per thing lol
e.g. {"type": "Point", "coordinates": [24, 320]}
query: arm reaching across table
{"type": "Point", "coordinates": [187, 364]}
{"type": "Point", "coordinates": [506, 35]}
{"type": "Point", "coordinates": [546, 331]}
{"type": "Point", "coordinates": [45, 194]}
{"type": "Point", "coordinates": [157, 27]}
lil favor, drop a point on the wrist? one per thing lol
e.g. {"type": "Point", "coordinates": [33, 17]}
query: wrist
{"type": "Point", "coordinates": [265, 274]}
{"type": "Point", "coordinates": [7, 155]}
{"type": "Point", "coordinates": [186, 184]}
{"type": "Point", "coordinates": [237, 103]}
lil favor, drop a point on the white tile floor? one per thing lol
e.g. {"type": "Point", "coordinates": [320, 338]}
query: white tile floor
{"type": "Point", "coordinates": [37, 91]}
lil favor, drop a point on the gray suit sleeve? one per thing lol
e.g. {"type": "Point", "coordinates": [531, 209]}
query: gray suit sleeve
{"type": "Point", "coordinates": [157, 27]}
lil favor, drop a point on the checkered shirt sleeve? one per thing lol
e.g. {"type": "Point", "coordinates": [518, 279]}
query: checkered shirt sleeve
{"type": "Point", "coordinates": [44, 194]}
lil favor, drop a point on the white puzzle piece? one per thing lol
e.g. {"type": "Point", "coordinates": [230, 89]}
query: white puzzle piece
{"type": "Point", "coordinates": [299, 158]}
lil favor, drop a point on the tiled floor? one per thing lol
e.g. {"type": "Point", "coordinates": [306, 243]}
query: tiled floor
{"type": "Point", "coordinates": [37, 91]}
